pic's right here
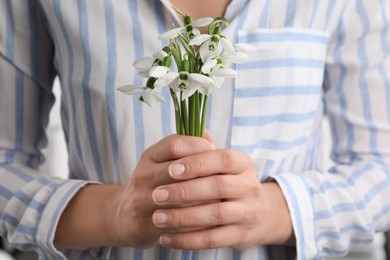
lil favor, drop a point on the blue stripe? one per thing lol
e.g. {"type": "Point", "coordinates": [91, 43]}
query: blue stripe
{"type": "Point", "coordinates": [19, 110]}
{"type": "Point", "coordinates": [138, 254]}
{"type": "Point", "coordinates": [293, 162]}
{"type": "Point", "coordinates": [313, 15]}
{"type": "Point", "coordinates": [265, 120]}
{"type": "Point", "coordinates": [9, 48]}
{"type": "Point", "coordinates": [290, 13]}
{"type": "Point", "coordinates": [110, 85]}
{"type": "Point", "coordinates": [18, 173]}
{"type": "Point", "coordinates": [261, 253]}
{"type": "Point", "coordinates": [236, 254]}
{"type": "Point", "coordinates": [383, 212]}
{"type": "Point", "coordinates": [278, 91]}
{"type": "Point", "coordinates": [386, 53]}
{"type": "Point", "coordinates": [299, 229]}
{"type": "Point", "coordinates": [340, 91]}
{"type": "Point", "coordinates": [5, 193]}
{"type": "Point", "coordinates": [337, 235]}
{"type": "Point", "coordinates": [185, 255]}
{"type": "Point", "coordinates": [316, 148]}
{"type": "Point", "coordinates": [356, 174]}
{"type": "Point", "coordinates": [329, 13]}
{"type": "Point", "coordinates": [272, 145]}
{"type": "Point", "coordinates": [70, 87]}
{"type": "Point", "coordinates": [88, 108]}
{"type": "Point", "coordinates": [264, 17]}
{"type": "Point", "coordinates": [165, 106]}
{"type": "Point", "coordinates": [241, 19]}
{"type": "Point", "coordinates": [384, 184]}
{"type": "Point", "coordinates": [340, 208]}
{"type": "Point", "coordinates": [283, 37]}
{"type": "Point", "coordinates": [14, 222]}
{"type": "Point", "coordinates": [34, 50]}
{"type": "Point", "coordinates": [10, 31]}
{"type": "Point", "coordinates": [29, 201]}
{"type": "Point", "coordinates": [42, 180]}
{"type": "Point", "coordinates": [138, 53]}
{"type": "Point", "coordinates": [267, 169]}
{"type": "Point", "coordinates": [364, 67]}
{"type": "Point", "coordinates": [282, 63]}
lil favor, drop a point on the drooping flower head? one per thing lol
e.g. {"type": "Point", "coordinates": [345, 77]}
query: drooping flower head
{"type": "Point", "coordinates": [202, 62]}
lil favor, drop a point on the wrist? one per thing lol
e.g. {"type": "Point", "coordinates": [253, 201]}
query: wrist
{"type": "Point", "coordinates": [277, 216]}
{"type": "Point", "coordinates": [87, 220]}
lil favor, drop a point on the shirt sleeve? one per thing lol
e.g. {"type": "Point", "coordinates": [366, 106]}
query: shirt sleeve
{"type": "Point", "coordinates": [350, 202]}
{"type": "Point", "coordinates": [30, 204]}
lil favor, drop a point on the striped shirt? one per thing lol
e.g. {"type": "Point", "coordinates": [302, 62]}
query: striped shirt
{"type": "Point", "coordinates": [313, 56]}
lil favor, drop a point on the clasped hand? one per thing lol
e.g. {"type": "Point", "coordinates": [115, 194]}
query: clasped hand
{"type": "Point", "coordinates": [188, 194]}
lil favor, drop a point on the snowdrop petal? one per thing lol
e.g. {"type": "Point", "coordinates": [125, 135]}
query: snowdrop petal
{"type": "Point", "coordinates": [224, 72]}
{"type": "Point", "coordinates": [206, 54]}
{"type": "Point", "coordinates": [198, 40]}
{"type": "Point", "coordinates": [188, 92]}
{"type": "Point", "coordinates": [199, 79]}
{"type": "Point", "coordinates": [202, 22]}
{"type": "Point", "coordinates": [244, 47]}
{"type": "Point", "coordinates": [130, 89]}
{"type": "Point", "coordinates": [205, 90]}
{"type": "Point", "coordinates": [148, 97]}
{"type": "Point", "coordinates": [171, 33]}
{"type": "Point", "coordinates": [144, 73]}
{"type": "Point", "coordinates": [237, 57]}
{"type": "Point", "coordinates": [208, 65]}
{"type": "Point", "coordinates": [143, 63]}
{"type": "Point", "coordinates": [160, 55]}
{"type": "Point", "coordinates": [158, 71]}
{"type": "Point", "coordinates": [166, 79]}
{"type": "Point", "coordinates": [226, 45]}
{"type": "Point", "coordinates": [218, 81]}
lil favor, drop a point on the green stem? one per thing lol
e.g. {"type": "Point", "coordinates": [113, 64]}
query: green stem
{"type": "Point", "coordinates": [192, 115]}
{"type": "Point", "coordinates": [204, 108]}
{"type": "Point", "coordinates": [184, 114]}
{"type": "Point", "coordinates": [197, 114]}
{"type": "Point", "coordinates": [177, 111]}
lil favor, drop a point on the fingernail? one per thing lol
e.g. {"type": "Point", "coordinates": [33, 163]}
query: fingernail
{"type": "Point", "coordinates": [165, 240]}
{"type": "Point", "coordinates": [175, 170]}
{"type": "Point", "coordinates": [160, 218]}
{"type": "Point", "coordinates": [161, 195]}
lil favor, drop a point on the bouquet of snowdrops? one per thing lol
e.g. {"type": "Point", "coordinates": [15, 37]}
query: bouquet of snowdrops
{"type": "Point", "coordinates": [200, 66]}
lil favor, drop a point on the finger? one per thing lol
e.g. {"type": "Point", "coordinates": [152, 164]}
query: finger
{"type": "Point", "coordinates": [216, 237]}
{"type": "Point", "coordinates": [208, 136]}
{"type": "Point", "coordinates": [200, 216]}
{"type": "Point", "coordinates": [178, 146]}
{"type": "Point", "coordinates": [199, 190]}
{"type": "Point", "coordinates": [224, 161]}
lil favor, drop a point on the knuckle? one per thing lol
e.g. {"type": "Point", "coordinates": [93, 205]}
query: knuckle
{"type": "Point", "coordinates": [183, 242]}
{"type": "Point", "coordinates": [198, 164]}
{"type": "Point", "coordinates": [226, 158]}
{"type": "Point", "coordinates": [174, 145]}
{"type": "Point", "coordinates": [212, 241]}
{"type": "Point", "coordinates": [219, 214]}
{"type": "Point", "coordinates": [181, 192]}
{"type": "Point", "coordinates": [223, 186]}
{"type": "Point", "coordinates": [181, 219]}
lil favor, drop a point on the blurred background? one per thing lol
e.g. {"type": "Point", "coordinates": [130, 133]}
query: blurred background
{"type": "Point", "coordinates": [56, 164]}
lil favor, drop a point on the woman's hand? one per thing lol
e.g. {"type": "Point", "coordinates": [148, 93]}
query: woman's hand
{"type": "Point", "coordinates": [243, 212]}
{"type": "Point", "coordinates": [133, 223]}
